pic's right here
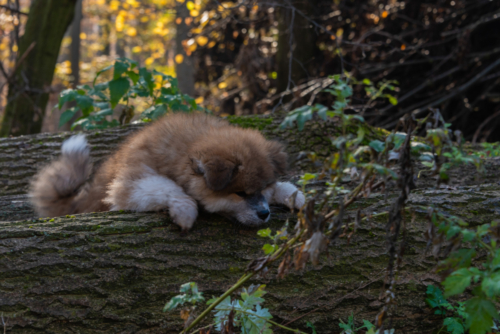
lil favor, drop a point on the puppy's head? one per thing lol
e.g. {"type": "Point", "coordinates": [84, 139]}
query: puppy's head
{"type": "Point", "coordinates": [233, 173]}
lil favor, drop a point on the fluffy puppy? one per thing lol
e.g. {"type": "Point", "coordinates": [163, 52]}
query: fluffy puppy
{"type": "Point", "coordinates": [175, 163]}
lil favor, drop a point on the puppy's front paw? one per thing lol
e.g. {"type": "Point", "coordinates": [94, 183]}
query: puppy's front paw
{"type": "Point", "coordinates": [184, 212]}
{"type": "Point", "coordinates": [283, 194]}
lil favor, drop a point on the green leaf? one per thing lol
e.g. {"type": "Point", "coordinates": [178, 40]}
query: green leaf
{"type": "Point", "coordinates": [454, 325]}
{"type": "Point", "coordinates": [311, 326]}
{"type": "Point", "coordinates": [154, 112]}
{"type": "Point", "coordinates": [66, 95]}
{"type": "Point", "coordinates": [117, 89]}
{"type": "Point", "coordinates": [491, 285]}
{"type": "Point", "coordinates": [457, 282]}
{"type": "Point", "coordinates": [107, 68]}
{"type": "Point", "coordinates": [85, 103]}
{"type": "Point", "coordinates": [66, 116]}
{"type": "Point", "coordinates": [481, 314]}
{"type": "Point", "coordinates": [120, 68]}
{"type": "Point", "coordinates": [392, 99]}
{"type": "Point", "coordinates": [133, 76]}
{"type": "Point", "coordinates": [264, 233]}
{"type": "Point", "coordinates": [268, 249]}
{"type": "Point", "coordinates": [377, 145]}
{"type": "Point", "coordinates": [173, 303]}
{"type": "Point", "coordinates": [104, 112]}
{"type": "Point", "coordinates": [434, 297]}
{"type": "Point", "coordinates": [146, 79]}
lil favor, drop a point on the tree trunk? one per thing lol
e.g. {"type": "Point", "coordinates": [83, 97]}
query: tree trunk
{"type": "Point", "coordinates": [184, 70]}
{"type": "Point", "coordinates": [29, 89]}
{"type": "Point", "coordinates": [302, 47]}
{"type": "Point", "coordinates": [75, 62]}
{"type": "Point", "coordinates": [114, 271]}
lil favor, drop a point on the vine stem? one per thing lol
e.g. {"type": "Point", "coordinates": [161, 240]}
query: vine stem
{"type": "Point", "coordinates": [242, 280]}
{"type": "Point", "coordinates": [267, 320]}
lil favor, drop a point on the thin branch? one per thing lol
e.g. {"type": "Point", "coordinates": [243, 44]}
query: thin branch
{"type": "Point", "coordinates": [486, 121]}
{"type": "Point", "coordinates": [18, 63]}
{"type": "Point", "coordinates": [13, 10]}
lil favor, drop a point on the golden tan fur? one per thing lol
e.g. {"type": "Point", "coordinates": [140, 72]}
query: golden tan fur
{"type": "Point", "coordinates": [175, 163]}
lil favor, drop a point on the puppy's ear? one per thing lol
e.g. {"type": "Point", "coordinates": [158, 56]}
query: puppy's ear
{"type": "Point", "coordinates": [217, 172]}
{"type": "Point", "coordinates": [278, 157]}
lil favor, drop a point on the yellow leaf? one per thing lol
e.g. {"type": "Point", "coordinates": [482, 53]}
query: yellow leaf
{"type": "Point", "coordinates": [144, 19]}
{"type": "Point", "coordinates": [179, 58]}
{"type": "Point", "coordinates": [190, 5]}
{"type": "Point", "coordinates": [180, 1]}
{"type": "Point", "coordinates": [222, 85]}
{"type": "Point", "coordinates": [114, 4]}
{"type": "Point", "coordinates": [83, 35]}
{"type": "Point", "coordinates": [211, 44]}
{"type": "Point", "coordinates": [384, 14]}
{"type": "Point", "coordinates": [131, 31]}
{"type": "Point", "coordinates": [136, 49]}
{"type": "Point", "coordinates": [339, 32]}
{"type": "Point", "coordinates": [194, 13]}
{"type": "Point", "coordinates": [149, 61]}
{"type": "Point", "coordinates": [201, 40]}
{"type": "Point", "coordinates": [403, 47]}
{"type": "Point", "coordinates": [14, 48]}
{"type": "Point", "coordinates": [199, 100]}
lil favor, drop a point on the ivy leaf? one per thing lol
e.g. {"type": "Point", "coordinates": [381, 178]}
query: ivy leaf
{"type": "Point", "coordinates": [457, 282]}
{"type": "Point", "coordinates": [118, 88]}
{"type": "Point", "coordinates": [66, 116]}
{"type": "Point", "coordinates": [481, 314]}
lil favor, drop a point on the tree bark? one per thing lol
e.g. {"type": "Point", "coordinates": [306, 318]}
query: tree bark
{"type": "Point", "coordinates": [184, 70]}
{"type": "Point", "coordinates": [114, 271]}
{"type": "Point", "coordinates": [29, 89]}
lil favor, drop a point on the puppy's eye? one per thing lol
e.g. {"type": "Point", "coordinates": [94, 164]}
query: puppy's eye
{"type": "Point", "coordinates": [241, 194]}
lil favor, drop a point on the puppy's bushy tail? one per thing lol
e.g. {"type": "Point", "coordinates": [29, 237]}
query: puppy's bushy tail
{"type": "Point", "coordinates": [58, 188]}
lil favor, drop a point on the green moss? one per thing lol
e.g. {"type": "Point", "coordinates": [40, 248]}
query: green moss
{"type": "Point", "coordinates": [258, 123]}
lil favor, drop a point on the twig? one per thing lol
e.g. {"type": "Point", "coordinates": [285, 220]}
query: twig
{"type": "Point", "coordinates": [4, 323]}
{"type": "Point", "coordinates": [18, 63]}
{"type": "Point", "coordinates": [486, 121]}
{"type": "Point", "coordinates": [13, 10]}
{"type": "Point", "coordinates": [461, 88]}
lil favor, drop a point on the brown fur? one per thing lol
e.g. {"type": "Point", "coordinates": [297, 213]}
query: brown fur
{"type": "Point", "coordinates": [204, 155]}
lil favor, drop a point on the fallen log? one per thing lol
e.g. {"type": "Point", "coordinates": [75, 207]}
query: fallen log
{"type": "Point", "coordinates": [113, 272]}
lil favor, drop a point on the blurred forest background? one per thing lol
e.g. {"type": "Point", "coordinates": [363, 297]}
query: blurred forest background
{"type": "Point", "coordinates": [255, 57]}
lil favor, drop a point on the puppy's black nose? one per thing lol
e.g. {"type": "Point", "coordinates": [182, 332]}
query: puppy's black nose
{"type": "Point", "coordinates": [263, 214]}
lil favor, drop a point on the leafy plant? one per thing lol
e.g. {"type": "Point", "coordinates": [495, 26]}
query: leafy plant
{"type": "Point", "coordinates": [246, 313]}
{"type": "Point", "coordinates": [158, 91]}
{"type": "Point", "coordinates": [350, 328]}
{"type": "Point", "coordinates": [190, 295]}
{"type": "Point", "coordinates": [454, 324]}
